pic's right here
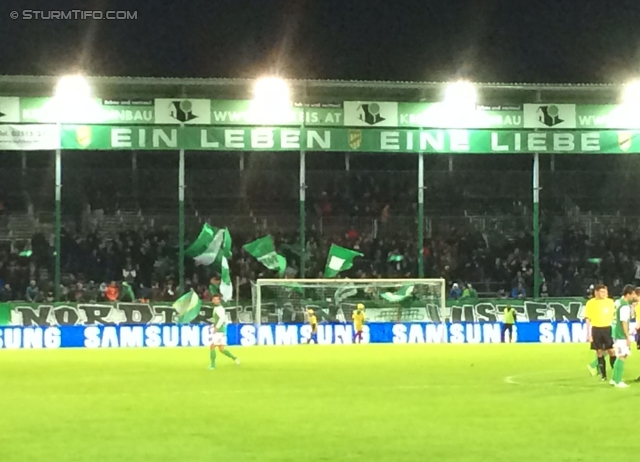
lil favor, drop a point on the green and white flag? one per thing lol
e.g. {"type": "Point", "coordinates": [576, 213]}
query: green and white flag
{"type": "Point", "coordinates": [226, 286]}
{"type": "Point", "coordinates": [188, 307]}
{"type": "Point", "coordinates": [211, 245]}
{"type": "Point", "coordinates": [339, 259]}
{"type": "Point", "coordinates": [264, 251]}
{"type": "Point", "coordinates": [345, 292]}
{"type": "Point", "coordinates": [402, 294]}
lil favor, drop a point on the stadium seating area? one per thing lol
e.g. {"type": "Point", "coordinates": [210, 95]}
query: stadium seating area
{"type": "Point", "coordinates": [121, 222]}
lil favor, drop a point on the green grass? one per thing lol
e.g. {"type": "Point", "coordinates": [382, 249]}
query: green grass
{"type": "Point", "coordinates": [314, 403]}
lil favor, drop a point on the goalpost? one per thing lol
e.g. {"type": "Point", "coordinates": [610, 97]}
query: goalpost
{"type": "Point", "coordinates": [333, 300]}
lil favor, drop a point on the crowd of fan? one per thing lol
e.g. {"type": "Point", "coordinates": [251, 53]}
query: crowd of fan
{"type": "Point", "coordinates": [142, 264]}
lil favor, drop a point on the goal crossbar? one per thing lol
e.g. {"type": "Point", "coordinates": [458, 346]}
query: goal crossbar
{"type": "Point", "coordinates": [280, 282]}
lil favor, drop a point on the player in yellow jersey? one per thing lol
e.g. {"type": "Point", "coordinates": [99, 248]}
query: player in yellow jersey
{"type": "Point", "coordinates": [358, 322]}
{"type": "Point", "coordinates": [599, 313]}
{"type": "Point", "coordinates": [313, 322]}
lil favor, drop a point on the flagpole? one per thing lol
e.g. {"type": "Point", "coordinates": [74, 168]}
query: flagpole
{"type": "Point", "coordinates": [58, 225]}
{"type": "Point", "coordinates": [536, 219]}
{"type": "Point", "coordinates": [420, 215]}
{"type": "Point", "coordinates": [303, 217]}
{"type": "Point", "coordinates": [536, 226]}
{"type": "Point", "coordinates": [181, 187]}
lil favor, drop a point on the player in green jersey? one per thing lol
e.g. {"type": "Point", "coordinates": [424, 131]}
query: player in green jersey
{"type": "Point", "coordinates": [219, 332]}
{"type": "Point", "coordinates": [621, 339]}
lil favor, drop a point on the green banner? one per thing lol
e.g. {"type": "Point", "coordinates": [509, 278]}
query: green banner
{"type": "Point", "coordinates": [45, 110]}
{"type": "Point", "coordinates": [104, 137]}
{"type": "Point", "coordinates": [239, 112]}
{"type": "Point", "coordinates": [542, 116]}
{"type": "Point", "coordinates": [436, 115]}
{"type": "Point", "coordinates": [371, 114]}
{"type": "Point", "coordinates": [169, 111]}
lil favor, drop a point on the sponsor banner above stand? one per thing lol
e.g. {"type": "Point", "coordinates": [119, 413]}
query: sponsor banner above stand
{"type": "Point", "coordinates": [171, 335]}
{"type": "Point", "coordinates": [29, 137]}
{"type": "Point", "coordinates": [86, 314]}
{"type": "Point", "coordinates": [167, 111]}
{"type": "Point", "coordinates": [382, 114]}
{"type": "Point", "coordinates": [460, 141]}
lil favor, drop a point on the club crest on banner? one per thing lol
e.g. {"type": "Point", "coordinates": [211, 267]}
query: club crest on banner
{"type": "Point", "coordinates": [83, 135]}
{"type": "Point", "coordinates": [625, 139]}
{"type": "Point", "coordinates": [355, 139]}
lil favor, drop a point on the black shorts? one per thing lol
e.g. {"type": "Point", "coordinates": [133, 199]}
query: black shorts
{"type": "Point", "coordinates": [602, 338]}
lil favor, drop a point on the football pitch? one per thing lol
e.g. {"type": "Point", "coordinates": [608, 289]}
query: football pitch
{"type": "Point", "coordinates": [314, 403]}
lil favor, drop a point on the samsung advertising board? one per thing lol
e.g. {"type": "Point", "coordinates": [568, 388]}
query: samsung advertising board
{"type": "Point", "coordinates": [172, 335]}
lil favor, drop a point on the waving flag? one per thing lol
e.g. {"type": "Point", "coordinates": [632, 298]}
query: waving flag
{"type": "Point", "coordinates": [339, 259]}
{"type": "Point", "coordinates": [226, 286]}
{"type": "Point", "coordinates": [211, 245]}
{"type": "Point", "coordinates": [188, 307]}
{"type": "Point", "coordinates": [399, 296]}
{"type": "Point", "coordinates": [264, 251]}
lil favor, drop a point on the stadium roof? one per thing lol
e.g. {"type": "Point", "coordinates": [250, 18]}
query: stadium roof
{"type": "Point", "coordinates": [313, 90]}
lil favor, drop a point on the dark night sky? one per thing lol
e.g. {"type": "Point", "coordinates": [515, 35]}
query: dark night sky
{"type": "Point", "coordinates": [484, 40]}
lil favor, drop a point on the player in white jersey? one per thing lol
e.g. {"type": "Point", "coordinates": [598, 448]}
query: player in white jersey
{"type": "Point", "coordinates": [219, 332]}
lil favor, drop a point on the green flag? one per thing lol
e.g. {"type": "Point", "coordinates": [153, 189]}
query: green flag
{"type": "Point", "coordinates": [399, 296]}
{"type": "Point", "coordinates": [394, 258]}
{"type": "Point", "coordinates": [5, 314]}
{"type": "Point", "coordinates": [188, 307]}
{"type": "Point", "coordinates": [282, 265]}
{"type": "Point", "coordinates": [127, 290]}
{"type": "Point", "coordinates": [264, 251]}
{"type": "Point", "coordinates": [225, 251]}
{"type": "Point", "coordinates": [345, 292]}
{"type": "Point", "coordinates": [595, 261]}
{"type": "Point", "coordinates": [294, 287]}
{"type": "Point", "coordinates": [211, 245]}
{"type": "Point", "coordinates": [339, 259]}
{"type": "Point", "coordinates": [226, 286]}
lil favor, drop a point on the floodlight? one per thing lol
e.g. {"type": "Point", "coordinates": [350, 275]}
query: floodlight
{"type": "Point", "coordinates": [461, 94]}
{"type": "Point", "coordinates": [271, 101]}
{"type": "Point", "coordinates": [631, 93]}
{"type": "Point", "coordinates": [73, 88]}
{"type": "Point", "coordinates": [273, 90]}
{"type": "Point", "coordinates": [72, 102]}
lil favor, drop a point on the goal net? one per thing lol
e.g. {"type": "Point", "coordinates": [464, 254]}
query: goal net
{"type": "Point", "coordinates": [333, 300]}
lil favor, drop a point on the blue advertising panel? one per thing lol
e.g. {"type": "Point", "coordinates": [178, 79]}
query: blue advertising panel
{"type": "Point", "coordinates": [172, 335]}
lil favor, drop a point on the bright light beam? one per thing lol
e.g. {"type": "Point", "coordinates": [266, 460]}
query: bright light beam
{"type": "Point", "coordinates": [461, 94]}
{"type": "Point", "coordinates": [271, 101]}
{"type": "Point", "coordinates": [631, 93]}
{"type": "Point", "coordinates": [72, 100]}
{"type": "Point", "coordinates": [272, 90]}
{"type": "Point", "coordinates": [73, 87]}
